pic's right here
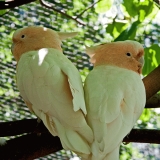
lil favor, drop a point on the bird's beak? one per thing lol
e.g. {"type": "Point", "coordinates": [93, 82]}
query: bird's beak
{"type": "Point", "coordinates": [140, 66]}
{"type": "Point", "coordinates": [141, 60]}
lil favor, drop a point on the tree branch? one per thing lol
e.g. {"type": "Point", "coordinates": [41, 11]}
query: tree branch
{"type": "Point", "coordinates": [32, 146]}
{"type": "Point", "coordinates": [19, 127]}
{"type": "Point", "coordinates": [152, 82]}
{"type": "Point", "coordinates": [143, 136]}
{"type": "Point", "coordinates": [49, 6]}
{"type": "Point", "coordinates": [87, 9]}
{"type": "Point", "coordinates": [13, 3]}
{"type": "Point", "coordinates": [157, 1]}
{"type": "Point", "coordinates": [153, 102]}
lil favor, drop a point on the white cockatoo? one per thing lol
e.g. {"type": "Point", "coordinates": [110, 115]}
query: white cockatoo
{"type": "Point", "coordinates": [51, 86]}
{"type": "Point", "coordinates": [114, 94]}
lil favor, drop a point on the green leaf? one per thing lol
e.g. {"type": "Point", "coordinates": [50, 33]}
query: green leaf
{"type": "Point", "coordinates": [142, 15]}
{"type": "Point", "coordinates": [78, 4]}
{"type": "Point", "coordinates": [145, 8]}
{"type": "Point", "coordinates": [103, 6]}
{"type": "Point", "coordinates": [142, 9]}
{"type": "Point", "coordinates": [130, 7]}
{"type": "Point", "coordinates": [115, 28]}
{"type": "Point", "coordinates": [145, 116]}
{"type": "Point", "coordinates": [152, 11]}
{"type": "Point", "coordinates": [3, 11]}
{"type": "Point", "coordinates": [152, 58]}
{"type": "Point", "coordinates": [129, 33]}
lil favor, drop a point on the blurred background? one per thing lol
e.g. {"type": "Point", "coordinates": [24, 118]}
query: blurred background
{"type": "Point", "coordinates": [97, 22]}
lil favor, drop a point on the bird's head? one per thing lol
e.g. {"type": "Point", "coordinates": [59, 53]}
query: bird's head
{"type": "Point", "coordinates": [36, 37]}
{"type": "Point", "coordinates": [126, 54]}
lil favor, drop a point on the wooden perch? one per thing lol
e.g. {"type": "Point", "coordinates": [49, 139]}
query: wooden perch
{"type": "Point", "coordinates": [152, 82]}
{"type": "Point", "coordinates": [30, 125]}
{"type": "Point", "coordinates": [143, 136]}
{"type": "Point", "coordinates": [19, 127]}
{"type": "Point", "coordinates": [32, 146]}
{"type": "Point", "coordinates": [153, 102]}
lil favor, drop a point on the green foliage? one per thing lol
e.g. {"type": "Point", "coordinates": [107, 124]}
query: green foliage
{"type": "Point", "coordinates": [2, 12]}
{"type": "Point", "coordinates": [152, 58]}
{"type": "Point", "coordinates": [127, 151]}
{"type": "Point", "coordinates": [129, 33]}
{"type": "Point", "coordinates": [103, 6]}
{"type": "Point", "coordinates": [142, 9]}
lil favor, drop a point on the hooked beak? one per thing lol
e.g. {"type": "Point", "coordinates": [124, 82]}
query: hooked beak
{"type": "Point", "coordinates": [141, 60]}
{"type": "Point", "coordinates": [140, 65]}
{"type": "Point", "coordinates": [140, 68]}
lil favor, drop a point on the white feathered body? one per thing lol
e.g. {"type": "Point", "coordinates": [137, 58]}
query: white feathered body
{"type": "Point", "coordinates": [115, 98]}
{"type": "Point", "coordinates": [51, 87]}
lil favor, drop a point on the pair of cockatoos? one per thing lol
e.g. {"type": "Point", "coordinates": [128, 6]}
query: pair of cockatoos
{"type": "Point", "coordinates": [91, 122]}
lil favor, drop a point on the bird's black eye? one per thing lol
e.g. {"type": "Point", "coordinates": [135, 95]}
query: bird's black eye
{"type": "Point", "coordinates": [128, 54]}
{"type": "Point", "coordinates": [22, 36]}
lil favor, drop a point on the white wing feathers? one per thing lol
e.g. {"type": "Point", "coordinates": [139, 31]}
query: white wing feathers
{"type": "Point", "coordinates": [115, 100]}
{"type": "Point", "coordinates": [56, 64]}
{"type": "Point", "coordinates": [73, 79]}
{"type": "Point", "coordinates": [60, 64]}
{"type": "Point", "coordinates": [52, 85]}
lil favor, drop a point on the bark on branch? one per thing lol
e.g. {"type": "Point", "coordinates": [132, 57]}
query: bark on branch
{"type": "Point", "coordinates": [49, 6]}
{"type": "Point", "coordinates": [152, 82]}
{"type": "Point", "coordinates": [32, 146]}
{"type": "Point", "coordinates": [143, 136]}
{"type": "Point", "coordinates": [19, 127]}
{"type": "Point", "coordinates": [14, 3]}
{"type": "Point", "coordinates": [153, 102]}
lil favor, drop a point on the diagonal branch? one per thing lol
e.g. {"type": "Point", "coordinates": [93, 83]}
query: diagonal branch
{"type": "Point", "coordinates": [87, 9]}
{"type": "Point", "coordinates": [151, 82]}
{"type": "Point", "coordinates": [49, 6]}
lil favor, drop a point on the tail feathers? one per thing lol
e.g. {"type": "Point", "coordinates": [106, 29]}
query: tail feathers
{"type": "Point", "coordinates": [97, 151]}
{"type": "Point", "coordinates": [76, 141]}
{"type": "Point", "coordinates": [98, 154]}
{"type": "Point", "coordinates": [114, 155]}
{"type": "Point", "coordinates": [71, 140]}
{"type": "Point", "coordinates": [47, 121]}
{"type": "Point", "coordinates": [87, 133]}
